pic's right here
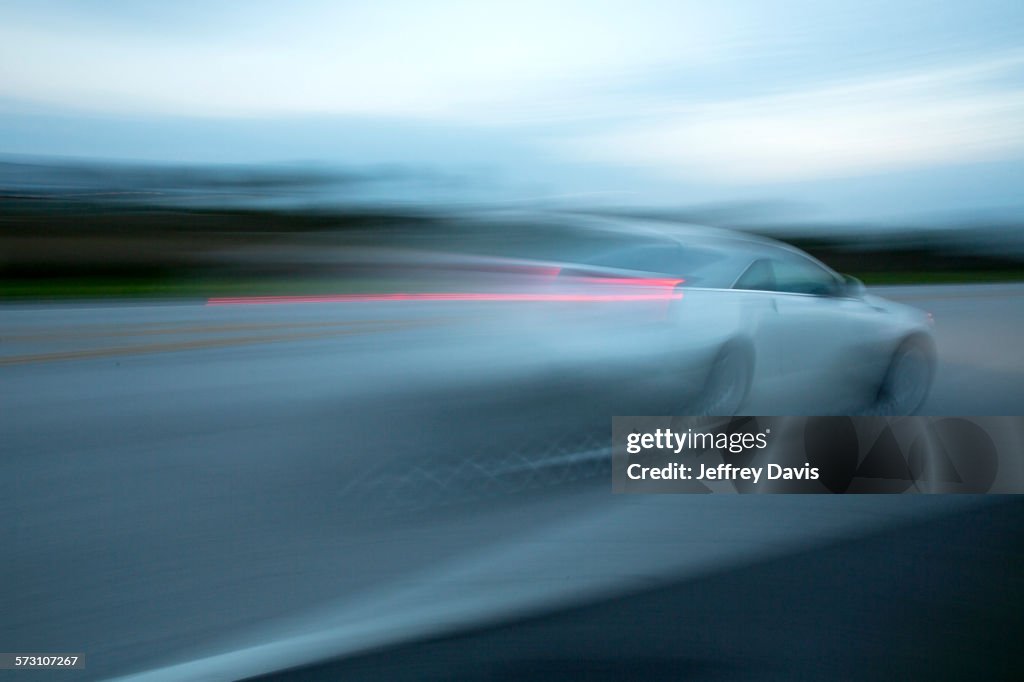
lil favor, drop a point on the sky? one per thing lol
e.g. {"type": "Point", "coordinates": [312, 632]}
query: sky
{"type": "Point", "coordinates": [847, 109]}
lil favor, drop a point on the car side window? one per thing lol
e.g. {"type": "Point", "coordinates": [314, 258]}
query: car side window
{"type": "Point", "coordinates": [804, 277]}
{"type": "Point", "coordinates": [760, 276]}
{"type": "Point", "coordinates": [656, 257]}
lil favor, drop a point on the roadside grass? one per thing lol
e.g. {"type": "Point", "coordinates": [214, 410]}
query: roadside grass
{"type": "Point", "coordinates": [80, 288]}
{"type": "Point", "coordinates": [124, 287]}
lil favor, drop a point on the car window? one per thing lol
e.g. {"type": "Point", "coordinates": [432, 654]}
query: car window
{"type": "Point", "coordinates": [758, 277]}
{"type": "Point", "coordinates": [803, 277]}
{"type": "Point", "coordinates": [668, 259]}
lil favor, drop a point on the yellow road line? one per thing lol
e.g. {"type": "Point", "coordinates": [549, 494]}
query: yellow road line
{"type": "Point", "coordinates": [171, 347]}
{"type": "Point", "coordinates": [168, 329]}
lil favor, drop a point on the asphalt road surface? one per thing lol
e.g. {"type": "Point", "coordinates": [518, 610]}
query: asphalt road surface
{"type": "Point", "coordinates": [194, 492]}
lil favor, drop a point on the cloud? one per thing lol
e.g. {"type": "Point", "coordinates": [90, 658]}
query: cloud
{"type": "Point", "coordinates": [413, 59]}
{"type": "Point", "coordinates": [735, 94]}
{"type": "Point", "coordinates": [968, 113]}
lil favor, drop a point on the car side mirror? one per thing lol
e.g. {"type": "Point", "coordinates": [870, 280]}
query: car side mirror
{"type": "Point", "coordinates": [853, 287]}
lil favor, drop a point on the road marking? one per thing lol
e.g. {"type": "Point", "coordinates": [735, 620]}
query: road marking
{"type": "Point", "coordinates": [90, 353]}
{"type": "Point", "coordinates": [165, 328]}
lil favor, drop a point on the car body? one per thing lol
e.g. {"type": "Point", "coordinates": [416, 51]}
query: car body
{"type": "Point", "coordinates": [755, 325]}
{"type": "Point", "coordinates": [510, 376]}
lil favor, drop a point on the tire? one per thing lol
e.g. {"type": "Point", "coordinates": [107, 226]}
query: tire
{"type": "Point", "coordinates": [907, 381]}
{"type": "Point", "coordinates": [727, 384]}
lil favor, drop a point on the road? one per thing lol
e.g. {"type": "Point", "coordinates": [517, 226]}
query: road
{"type": "Point", "coordinates": [977, 332]}
{"type": "Point", "coordinates": [196, 492]}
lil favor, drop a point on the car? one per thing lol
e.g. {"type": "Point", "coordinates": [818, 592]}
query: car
{"type": "Point", "coordinates": [755, 325]}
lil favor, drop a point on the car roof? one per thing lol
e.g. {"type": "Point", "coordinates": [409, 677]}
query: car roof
{"type": "Point", "coordinates": [688, 233]}
{"type": "Point", "coordinates": [739, 248]}
{"type": "Point", "coordinates": [683, 233]}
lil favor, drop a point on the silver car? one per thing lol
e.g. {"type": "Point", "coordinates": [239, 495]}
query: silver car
{"type": "Point", "coordinates": [753, 325]}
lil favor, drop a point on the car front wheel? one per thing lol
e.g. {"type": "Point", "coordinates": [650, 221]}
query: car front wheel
{"type": "Point", "coordinates": [727, 383]}
{"type": "Point", "coordinates": [908, 380]}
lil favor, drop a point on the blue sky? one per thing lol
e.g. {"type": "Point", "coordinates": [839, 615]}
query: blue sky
{"type": "Point", "coordinates": [850, 109]}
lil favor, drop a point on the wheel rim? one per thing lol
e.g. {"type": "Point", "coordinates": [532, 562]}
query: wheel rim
{"type": "Point", "coordinates": [725, 389]}
{"type": "Point", "coordinates": [908, 381]}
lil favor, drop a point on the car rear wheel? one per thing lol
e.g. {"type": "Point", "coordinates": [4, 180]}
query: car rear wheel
{"type": "Point", "coordinates": [908, 380]}
{"type": "Point", "coordinates": [727, 384]}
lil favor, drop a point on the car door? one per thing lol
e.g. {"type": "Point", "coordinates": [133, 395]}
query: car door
{"type": "Point", "coordinates": [756, 286]}
{"type": "Point", "coordinates": [815, 338]}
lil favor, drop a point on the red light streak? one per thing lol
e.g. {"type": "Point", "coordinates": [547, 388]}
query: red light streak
{"type": "Point", "coordinates": [495, 297]}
